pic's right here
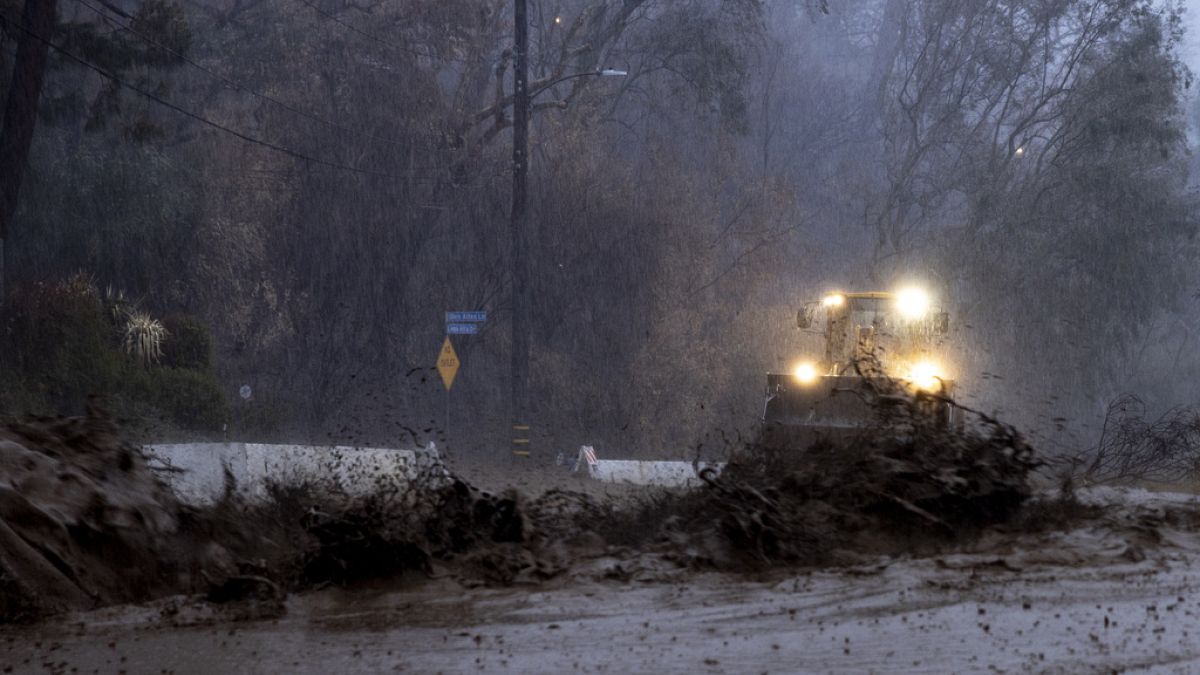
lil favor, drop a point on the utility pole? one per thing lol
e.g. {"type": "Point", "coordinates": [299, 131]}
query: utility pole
{"type": "Point", "coordinates": [520, 270]}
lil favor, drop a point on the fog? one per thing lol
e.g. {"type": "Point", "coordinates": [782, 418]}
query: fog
{"type": "Point", "coordinates": [298, 191]}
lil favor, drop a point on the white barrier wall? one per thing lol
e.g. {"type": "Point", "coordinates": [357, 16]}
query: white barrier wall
{"type": "Point", "coordinates": [633, 472]}
{"type": "Point", "coordinates": [196, 471]}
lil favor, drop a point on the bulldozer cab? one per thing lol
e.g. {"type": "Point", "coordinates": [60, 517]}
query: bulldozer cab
{"type": "Point", "coordinates": [873, 343]}
{"type": "Point", "coordinates": [872, 333]}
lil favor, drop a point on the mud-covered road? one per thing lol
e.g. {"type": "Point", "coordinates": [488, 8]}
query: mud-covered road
{"type": "Point", "coordinates": [1092, 600]}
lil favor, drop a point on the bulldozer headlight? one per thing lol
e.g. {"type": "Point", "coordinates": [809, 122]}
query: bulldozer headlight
{"type": "Point", "coordinates": [833, 300]}
{"type": "Point", "coordinates": [805, 373]}
{"type": "Point", "coordinates": [926, 375]}
{"type": "Point", "coordinates": [912, 303]}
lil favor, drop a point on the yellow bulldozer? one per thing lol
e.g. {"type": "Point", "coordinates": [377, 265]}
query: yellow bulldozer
{"type": "Point", "coordinates": [880, 348]}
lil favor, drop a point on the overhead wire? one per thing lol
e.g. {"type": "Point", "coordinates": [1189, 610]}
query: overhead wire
{"type": "Point", "coordinates": [207, 122]}
{"type": "Point", "coordinates": [233, 84]}
{"type": "Point", "coordinates": [355, 29]}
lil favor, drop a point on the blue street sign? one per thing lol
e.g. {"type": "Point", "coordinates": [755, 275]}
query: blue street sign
{"type": "Point", "coordinates": [465, 317]}
{"type": "Point", "coordinates": [462, 328]}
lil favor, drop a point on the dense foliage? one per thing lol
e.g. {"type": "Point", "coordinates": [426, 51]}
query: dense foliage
{"type": "Point", "coordinates": [65, 342]}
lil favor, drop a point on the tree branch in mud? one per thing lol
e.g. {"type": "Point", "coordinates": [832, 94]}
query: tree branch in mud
{"type": "Point", "coordinates": [1134, 449]}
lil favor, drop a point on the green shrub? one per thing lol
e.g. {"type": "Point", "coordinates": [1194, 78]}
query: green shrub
{"type": "Point", "coordinates": [59, 342]}
{"type": "Point", "coordinates": [188, 398]}
{"type": "Point", "coordinates": [259, 418]}
{"type": "Point", "coordinates": [189, 343]}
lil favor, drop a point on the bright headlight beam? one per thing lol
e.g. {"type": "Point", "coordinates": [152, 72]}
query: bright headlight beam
{"type": "Point", "coordinates": [833, 300]}
{"type": "Point", "coordinates": [806, 373]}
{"type": "Point", "coordinates": [926, 375]}
{"type": "Point", "coordinates": [912, 303]}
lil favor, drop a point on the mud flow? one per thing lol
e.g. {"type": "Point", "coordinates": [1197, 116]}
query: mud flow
{"type": "Point", "coordinates": [86, 523]}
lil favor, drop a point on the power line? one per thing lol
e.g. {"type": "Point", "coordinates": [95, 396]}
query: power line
{"type": "Point", "coordinates": [369, 36]}
{"type": "Point", "coordinates": [233, 84]}
{"type": "Point", "coordinates": [203, 120]}
{"type": "Point", "coordinates": [271, 181]}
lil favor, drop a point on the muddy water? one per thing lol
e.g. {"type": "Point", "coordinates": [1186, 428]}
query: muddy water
{"type": "Point", "coordinates": [1083, 602]}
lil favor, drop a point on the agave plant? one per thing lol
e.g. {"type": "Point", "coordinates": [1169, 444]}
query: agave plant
{"type": "Point", "coordinates": [79, 285]}
{"type": "Point", "coordinates": [118, 305]}
{"type": "Point", "coordinates": [144, 336]}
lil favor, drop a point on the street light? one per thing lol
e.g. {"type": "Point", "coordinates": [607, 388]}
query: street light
{"type": "Point", "coordinates": [519, 371]}
{"type": "Point", "coordinates": [603, 72]}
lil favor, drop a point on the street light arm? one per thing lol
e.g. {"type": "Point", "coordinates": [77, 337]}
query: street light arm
{"type": "Point", "coordinates": [536, 88]}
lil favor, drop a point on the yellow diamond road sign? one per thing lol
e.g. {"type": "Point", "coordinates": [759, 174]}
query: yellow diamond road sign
{"type": "Point", "coordinates": [447, 363]}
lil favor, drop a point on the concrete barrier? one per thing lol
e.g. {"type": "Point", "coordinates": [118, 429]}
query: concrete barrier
{"type": "Point", "coordinates": [675, 474]}
{"type": "Point", "coordinates": [197, 471]}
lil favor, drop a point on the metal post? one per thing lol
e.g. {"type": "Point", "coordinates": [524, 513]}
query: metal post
{"type": "Point", "coordinates": [520, 272]}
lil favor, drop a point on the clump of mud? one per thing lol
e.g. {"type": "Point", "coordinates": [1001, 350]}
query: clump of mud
{"type": "Point", "coordinates": [83, 522]}
{"type": "Point", "coordinates": [442, 526]}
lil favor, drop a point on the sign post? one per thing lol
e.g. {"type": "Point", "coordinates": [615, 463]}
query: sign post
{"type": "Point", "coordinates": [457, 323]}
{"type": "Point", "coordinates": [246, 393]}
{"type": "Point", "coordinates": [447, 365]}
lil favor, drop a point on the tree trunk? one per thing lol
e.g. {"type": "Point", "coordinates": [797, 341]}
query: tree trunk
{"type": "Point", "coordinates": [20, 113]}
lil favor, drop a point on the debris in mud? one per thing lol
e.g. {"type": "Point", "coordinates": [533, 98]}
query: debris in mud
{"type": "Point", "coordinates": [1134, 449]}
{"type": "Point", "coordinates": [450, 528]}
{"type": "Point", "coordinates": [251, 597]}
{"type": "Point", "coordinates": [907, 482]}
